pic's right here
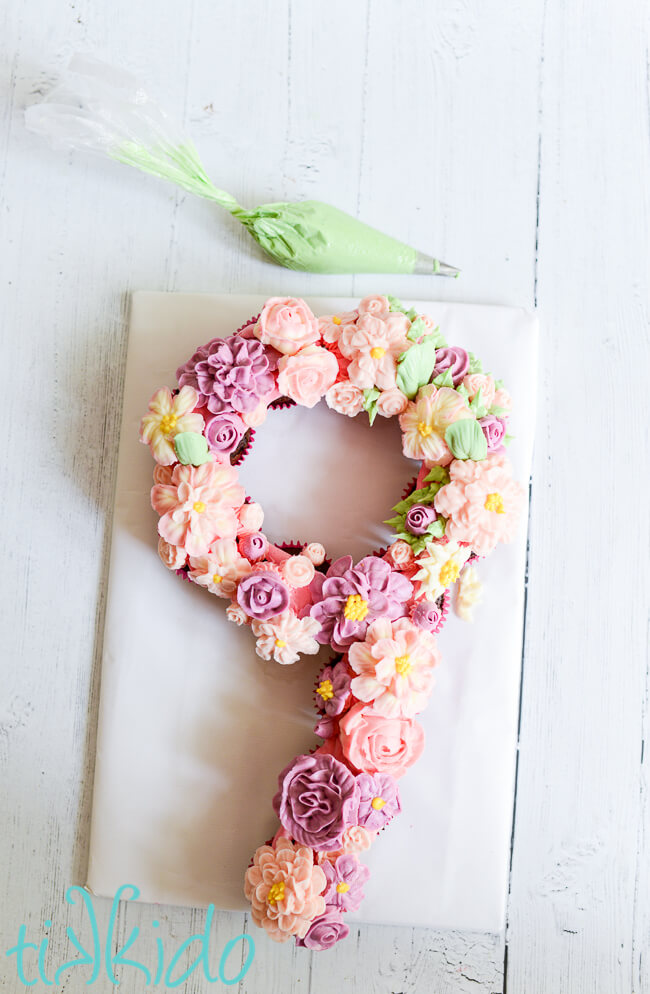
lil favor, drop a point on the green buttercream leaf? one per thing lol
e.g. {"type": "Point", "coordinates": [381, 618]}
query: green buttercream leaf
{"type": "Point", "coordinates": [444, 379]}
{"type": "Point", "coordinates": [499, 411]}
{"type": "Point", "coordinates": [370, 397]}
{"type": "Point", "coordinates": [466, 440]}
{"type": "Point", "coordinates": [372, 414]}
{"type": "Point", "coordinates": [394, 303]}
{"type": "Point", "coordinates": [477, 406]}
{"type": "Point", "coordinates": [191, 448]}
{"type": "Point", "coordinates": [463, 391]}
{"type": "Point", "coordinates": [417, 330]}
{"type": "Point", "coordinates": [415, 367]}
{"type": "Point", "coordinates": [437, 529]}
{"type": "Point", "coordinates": [507, 439]}
{"type": "Point", "coordinates": [475, 364]}
{"type": "Point", "coordinates": [412, 314]}
{"type": "Point", "coordinates": [499, 384]}
{"type": "Point", "coordinates": [437, 474]}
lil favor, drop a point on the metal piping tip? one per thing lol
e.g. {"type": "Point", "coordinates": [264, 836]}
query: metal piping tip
{"type": "Point", "coordinates": [426, 264]}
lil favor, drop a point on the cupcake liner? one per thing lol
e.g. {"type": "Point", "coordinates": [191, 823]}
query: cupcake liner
{"type": "Point", "coordinates": [280, 403]}
{"type": "Point", "coordinates": [237, 457]}
{"type": "Point", "coordinates": [444, 611]}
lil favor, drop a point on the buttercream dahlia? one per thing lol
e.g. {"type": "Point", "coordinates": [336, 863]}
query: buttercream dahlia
{"type": "Point", "coordinates": [284, 888]}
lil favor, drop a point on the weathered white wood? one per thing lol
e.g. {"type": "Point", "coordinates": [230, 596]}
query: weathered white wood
{"type": "Point", "coordinates": [580, 880]}
{"type": "Point", "coordinates": [429, 120]}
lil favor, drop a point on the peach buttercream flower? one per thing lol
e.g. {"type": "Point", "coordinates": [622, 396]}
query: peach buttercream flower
{"type": "Point", "coordinates": [307, 375]}
{"type": "Point", "coordinates": [198, 506]}
{"type": "Point", "coordinates": [377, 306]}
{"type": "Point", "coordinates": [374, 744]}
{"type": "Point", "coordinates": [287, 324]}
{"type": "Point", "coordinates": [284, 888]}
{"type": "Point", "coordinates": [482, 502]}
{"type": "Point", "coordinates": [167, 417]}
{"type": "Point", "coordinates": [285, 636]}
{"type": "Point", "coordinates": [391, 402]}
{"type": "Point", "coordinates": [171, 555]}
{"type": "Point", "coordinates": [251, 517]}
{"type": "Point", "coordinates": [426, 420]}
{"type": "Point", "coordinates": [345, 398]}
{"type": "Point", "coordinates": [298, 571]}
{"type": "Point", "coordinates": [236, 614]}
{"type": "Point", "coordinates": [315, 552]}
{"type": "Point", "coordinates": [439, 567]}
{"type": "Point", "coordinates": [395, 667]}
{"type": "Point", "coordinates": [400, 555]}
{"type": "Point", "coordinates": [332, 325]}
{"type": "Point", "coordinates": [355, 839]}
{"type": "Point", "coordinates": [162, 474]}
{"type": "Point", "coordinates": [480, 381]}
{"type": "Point", "coordinates": [256, 417]}
{"type": "Point", "coordinates": [374, 346]}
{"type": "Point", "coordinates": [221, 569]}
{"type": "Point", "coordinates": [502, 399]}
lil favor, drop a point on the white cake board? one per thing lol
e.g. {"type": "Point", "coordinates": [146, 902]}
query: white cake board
{"type": "Point", "coordinates": [194, 727]}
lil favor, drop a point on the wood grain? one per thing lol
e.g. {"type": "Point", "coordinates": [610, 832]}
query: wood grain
{"type": "Point", "coordinates": [511, 139]}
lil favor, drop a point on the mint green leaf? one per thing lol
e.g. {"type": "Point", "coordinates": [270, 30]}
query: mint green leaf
{"type": "Point", "coordinates": [477, 406]}
{"type": "Point", "coordinates": [499, 411]}
{"type": "Point", "coordinates": [437, 529]}
{"type": "Point", "coordinates": [191, 448]}
{"type": "Point", "coordinates": [475, 364]}
{"type": "Point", "coordinates": [463, 391]}
{"type": "Point", "coordinates": [370, 397]}
{"type": "Point", "coordinates": [417, 330]}
{"type": "Point", "coordinates": [507, 439]}
{"type": "Point", "coordinates": [444, 379]}
{"type": "Point", "coordinates": [394, 303]}
{"type": "Point", "coordinates": [415, 367]}
{"type": "Point", "coordinates": [437, 474]}
{"type": "Point", "coordinates": [499, 384]}
{"type": "Point", "coordinates": [466, 440]}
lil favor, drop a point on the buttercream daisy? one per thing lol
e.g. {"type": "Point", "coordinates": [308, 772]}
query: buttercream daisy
{"type": "Point", "coordinates": [167, 417]}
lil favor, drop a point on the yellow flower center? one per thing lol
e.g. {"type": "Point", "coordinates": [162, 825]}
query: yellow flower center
{"type": "Point", "coordinates": [342, 888]}
{"type": "Point", "coordinates": [326, 690]}
{"type": "Point", "coordinates": [280, 643]}
{"type": "Point", "coordinates": [377, 803]}
{"type": "Point", "coordinates": [276, 892]}
{"type": "Point", "coordinates": [449, 572]}
{"type": "Point", "coordinates": [355, 608]}
{"type": "Point", "coordinates": [494, 502]}
{"type": "Point", "coordinates": [199, 506]}
{"type": "Point", "coordinates": [216, 578]}
{"type": "Point", "coordinates": [336, 320]}
{"type": "Point", "coordinates": [168, 423]}
{"type": "Point", "coordinates": [424, 429]}
{"type": "Point", "coordinates": [402, 665]}
{"type": "Point", "coordinates": [377, 352]}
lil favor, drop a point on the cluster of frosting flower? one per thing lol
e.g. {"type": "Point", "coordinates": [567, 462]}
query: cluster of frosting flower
{"type": "Point", "coordinates": [380, 615]}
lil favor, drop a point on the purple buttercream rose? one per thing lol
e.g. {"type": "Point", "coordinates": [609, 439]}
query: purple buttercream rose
{"type": "Point", "coordinates": [333, 688]}
{"type": "Point", "coordinates": [325, 931]}
{"type": "Point", "coordinates": [379, 800]}
{"type": "Point", "coordinates": [494, 430]}
{"type": "Point", "coordinates": [345, 879]}
{"type": "Point", "coordinates": [262, 595]}
{"type": "Point", "coordinates": [230, 374]}
{"type": "Point", "coordinates": [253, 545]}
{"type": "Point", "coordinates": [418, 519]}
{"type": "Point", "coordinates": [348, 598]}
{"type": "Point", "coordinates": [455, 359]}
{"type": "Point", "coordinates": [426, 615]}
{"type": "Point", "coordinates": [224, 432]}
{"type": "Point", "coordinates": [317, 800]}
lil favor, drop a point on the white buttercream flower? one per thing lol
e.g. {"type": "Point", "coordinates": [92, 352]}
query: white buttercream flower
{"type": "Point", "coordinates": [221, 569]}
{"type": "Point", "coordinates": [440, 567]}
{"type": "Point", "coordinates": [469, 593]}
{"type": "Point", "coordinates": [284, 637]}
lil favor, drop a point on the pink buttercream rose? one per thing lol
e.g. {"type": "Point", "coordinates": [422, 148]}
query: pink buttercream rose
{"type": "Point", "coordinates": [391, 402]}
{"type": "Point", "coordinates": [502, 399]}
{"type": "Point", "coordinates": [479, 381]}
{"type": "Point", "coordinates": [315, 552]}
{"type": "Point", "coordinates": [374, 744]}
{"type": "Point", "coordinates": [171, 555]}
{"type": "Point", "coordinates": [306, 376]}
{"type": "Point", "coordinates": [378, 306]}
{"type": "Point", "coordinates": [400, 555]}
{"type": "Point", "coordinates": [345, 398]}
{"type": "Point", "coordinates": [287, 324]}
{"type": "Point", "coordinates": [298, 571]}
{"type": "Point", "coordinates": [251, 517]}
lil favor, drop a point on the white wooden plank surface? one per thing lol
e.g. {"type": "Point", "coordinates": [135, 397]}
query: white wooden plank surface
{"type": "Point", "coordinates": [513, 140]}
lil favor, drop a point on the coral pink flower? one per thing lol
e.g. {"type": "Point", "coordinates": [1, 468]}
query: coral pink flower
{"type": "Point", "coordinates": [391, 402]}
{"type": "Point", "coordinates": [482, 502]}
{"type": "Point", "coordinates": [287, 324]}
{"type": "Point", "coordinates": [306, 376]}
{"type": "Point", "coordinates": [332, 325]}
{"type": "Point", "coordinates": [285, 888]}
{"type": "Point", "coordinates": [167, 417]}
{"type": "Point", "coordinates": [425, 422]}
{"type": "Point", "coordinates": [479, 381]}
{"type": "Point", "coordinates": [221, 569]}
{"type": "Point", "coordinates": [198, 507]}
{"type": "Point", "coordinates": [395, 667]}
{"type": "Point", "coordinates": [377, 306]}
{"type": "Point", "coordinates": [373, 346]}
{"type": "Point", "coordinates": [374, 744]}
{"type": "Point", "coordinates": [345, 398]}
{"type": "Point", "coordinates": [503, 399]}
